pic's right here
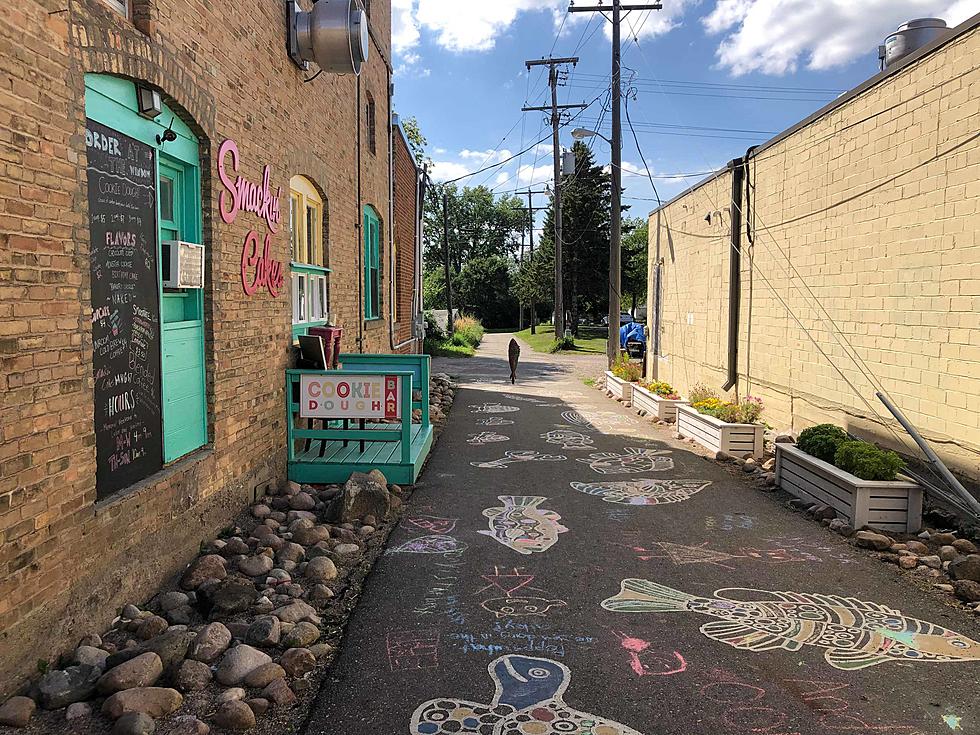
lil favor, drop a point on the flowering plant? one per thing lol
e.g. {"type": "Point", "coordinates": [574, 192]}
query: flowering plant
{"type": "Point", "coordinates": [662, 389]}
{"type": "Point", "coordinates": [746, 411]}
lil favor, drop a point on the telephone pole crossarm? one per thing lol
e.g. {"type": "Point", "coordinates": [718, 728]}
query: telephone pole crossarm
{"type": "Point", "coordinates": [547, 108]}
{"type": "Point", "coordinates": [551, 61]}
{"type": "Point", "coordinates": [604, 8]}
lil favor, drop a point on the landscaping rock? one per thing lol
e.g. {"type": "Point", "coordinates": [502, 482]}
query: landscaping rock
{"type": "Point", "coordinates": [264, 675]}
{"type": "Point", "coordinates": [258, 705]}
{"type": "Point", "coordinates": [153, 701]}
{"type": "Point", "coordinates": [311, 536]}
{"type": "Point", "coordinates": [264, 631]}
{"type": "Point", "coordinates": [78, 711]}
{"type": "Point", "coordinates": [872, 540]}
{"type": "Point", "coordinates": [141, 671]}
{"type": "Point", "coordinates": [301, 636]}
{"type": "Point", "coordinates": [363, 494]}
{"type": "Point", "coordinates": [261, 511]}
{"type": "Point", "coordinates": [255, 566]}
{"type": "Point", "coordinates": [297, 662]}
{"type": "Point", "coordinates": [193, 675]}
{"type": "Point", "coordinates": [189, 725]}
{"type": "Point", "coordinates": [234, 547]}
{"type": "Point", "coordinates": [211, 642]}
{"type": "Point", "coordinates": [321, 569]}
{"type": "Point", "coordinates": [302, 501]}
{"type": "Point", "coordinates": [17, 711]}
{"type": "Point", "coordinates": [65, 686]}
{"type": "Point", "coordinates": [917, 547]}
{"type": "Point", "coordinates": [171, 600]}
{"type": "Point", "coordinates": [320, 593]}
{"type": "Point", "coordinates": [228, 598]}
{"type": "Point", "coordinates": [944, 539]}
{"type": "Point", "coordinates": [91, 656]}
{"type": "Point", "coordinates": [839, 525]}
{"type": "Point", "coordinates": [967, 568]}
{"type": "Point", "coordinates": [150, 627]}
{"type": "Point", "coordinates": [346, 549]}
{"type": "Point", "coordinates": [296, 612]}
{"type": "Point", "coordinates": [171, 647]}
{"type": "Point", "coordinates": [291, 552]}
{"type": "Point", "coordinates": [236, 716]}
{"type": "Point", "coordinates": [948, 553]}
{"type": "Point", "coordinates": [932, 561]}
{"type": "Point", "coordinates": [134, 723]}
{"type": "Point", "coordinates": [238, 662]}
{"type": "Point", "coordinates": [235, 694]}
{"type": "Point", "coordinates": [908, 562]}
{"type": "Point", "coordinates": [279, 693]}
{"type": "Point", "coordinates": [202, 569]}
{"type": "Point", "coordinates": [967, 590]}
{"type": "Point", "coordinates": [321, 650]}
{"type": "Point", "coordinates": [965, 546]}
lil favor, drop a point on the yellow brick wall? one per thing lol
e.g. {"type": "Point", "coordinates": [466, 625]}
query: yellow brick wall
{"type": "Point", "coordinates": [865, 219]}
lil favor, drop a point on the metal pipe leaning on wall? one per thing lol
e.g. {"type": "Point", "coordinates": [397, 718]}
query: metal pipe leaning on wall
{"type": "Point", "coordinates": [735, 271]}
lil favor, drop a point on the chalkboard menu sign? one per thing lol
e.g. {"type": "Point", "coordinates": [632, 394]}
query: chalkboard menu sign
{"type": "Point", "coordinates": [125, 308]}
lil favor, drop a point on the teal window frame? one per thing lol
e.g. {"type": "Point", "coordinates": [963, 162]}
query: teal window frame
{"type": "Point", "coordinates": [112, 101]}
{"type": "Point", "coordinates": [372, 264]}
{"type": "Point", "coordinates": [302, 328]}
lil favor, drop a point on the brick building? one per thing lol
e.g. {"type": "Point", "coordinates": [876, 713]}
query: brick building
{"type": "Point", "coordinates": [857, 235]}
{"type": "Point", "coordinates": [128, 127]}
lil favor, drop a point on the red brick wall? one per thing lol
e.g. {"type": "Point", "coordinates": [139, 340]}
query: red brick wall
{"type": "Point", "coordinates": [405, 229]}
{"type": "Point", "coordinates": [66, 561]}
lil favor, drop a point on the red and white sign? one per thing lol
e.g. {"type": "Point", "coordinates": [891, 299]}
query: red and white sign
{"type": "Point", "coordinates": [326, 396]}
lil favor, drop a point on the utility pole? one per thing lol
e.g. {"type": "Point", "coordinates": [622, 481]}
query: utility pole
{"type": "Point", "coordinates": [445, 253]}
{"type": "Point", "coordinates": [531, 209]}
{"type": "Point", "coordinates": [555, 109]}
{"type": "Point", "coordinates": [615, 230]}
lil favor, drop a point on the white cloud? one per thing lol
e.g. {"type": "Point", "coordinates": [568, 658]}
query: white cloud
{"type": "Point", "coordinates": [776, 36]}
{"type": "Point", "coordinates": [474, 26]}
{"type": "Point", "coordinates": [404, 27]}
{"type": "Point", "coordinates": [442, 170]}
{"type": "Point", "coordinates": [488, 156]}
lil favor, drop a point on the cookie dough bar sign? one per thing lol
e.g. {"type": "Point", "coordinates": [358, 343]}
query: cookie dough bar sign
{"type": "Point", "coordinates": [348, 397]}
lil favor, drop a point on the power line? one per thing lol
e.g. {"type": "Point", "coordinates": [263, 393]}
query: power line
{"type": "Point", "coordinates": [724, 85]}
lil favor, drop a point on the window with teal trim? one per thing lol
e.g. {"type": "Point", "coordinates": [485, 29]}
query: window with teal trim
{"type": "Point", "coordinates": [309, 274]}
{"type": "Point", "coordinates": [372, 264]}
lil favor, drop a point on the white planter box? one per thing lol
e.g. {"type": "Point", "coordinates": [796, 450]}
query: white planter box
{"type": "Point", "coordinates": [890, 506]}
{"type": "Point", "coordinates": [619, 388]}
{"type": "Point", "coordinates": [664, 409]}
{"type": "Point", "coordinates": [735, 440]}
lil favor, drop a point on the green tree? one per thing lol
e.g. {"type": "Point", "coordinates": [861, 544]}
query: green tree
{"type": "Point", "coordinates": [634, 262]}
{"type": "Point", "coordinates": [416, 141]}
{"type": "Point", "coordinates": [485, 290]}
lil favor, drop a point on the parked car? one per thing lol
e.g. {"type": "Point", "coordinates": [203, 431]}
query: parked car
{"type": "Point", "coordinates": [624, 318]}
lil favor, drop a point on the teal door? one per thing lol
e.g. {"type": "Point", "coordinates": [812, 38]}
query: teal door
{"type": "Point", "coordinates": [184, 403]}
{"type": "Point", "coordinates": [372, 264]}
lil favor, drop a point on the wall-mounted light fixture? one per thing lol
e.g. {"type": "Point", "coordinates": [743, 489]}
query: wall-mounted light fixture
{"type": "Point", "coordinates": [148, 102]}
{"type": "Point", "coordinates": [334, 35]}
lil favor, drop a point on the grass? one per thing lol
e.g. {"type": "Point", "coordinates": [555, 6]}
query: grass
{"type": "Point", "coordinates": [591, 340]}
{"type": "Point", "coordinates": [448, 349]}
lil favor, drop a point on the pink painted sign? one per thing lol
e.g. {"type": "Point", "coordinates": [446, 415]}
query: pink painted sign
{"type": "Point", "coordinates": [259, 269]}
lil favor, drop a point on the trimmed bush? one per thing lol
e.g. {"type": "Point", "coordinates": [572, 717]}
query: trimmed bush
{"type": "Point", "coordinates": [867, 461]}
{"type": "Point", "coordinates": [821, 441]}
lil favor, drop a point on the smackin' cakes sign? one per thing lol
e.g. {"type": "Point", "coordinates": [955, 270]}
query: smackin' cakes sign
{"type": "Point", "coordinates": [349, 397]}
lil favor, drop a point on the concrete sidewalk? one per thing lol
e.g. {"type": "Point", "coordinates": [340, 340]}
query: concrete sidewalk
{"type": "Point", "coordinates": [499, 607]}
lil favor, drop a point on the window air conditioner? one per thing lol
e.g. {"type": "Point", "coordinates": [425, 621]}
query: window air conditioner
{"type": "Point", "coordinates": [182, 264]}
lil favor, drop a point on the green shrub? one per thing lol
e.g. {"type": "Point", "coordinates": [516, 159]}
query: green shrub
{"type": "Point", "coordinates": [469, 329]}
{"type": "Point", "coordinates": [562, 343]}
{"type": "Point", "coordinates": [626, 370]}
{"type": "Point", "coordinates": [867, 461]}
{"type": "Point", "coordinates": [821, 441]}
{"type": "Point", "coordinates": [460, 340]}
{"type": "Point", "coordinates": [432, 329]}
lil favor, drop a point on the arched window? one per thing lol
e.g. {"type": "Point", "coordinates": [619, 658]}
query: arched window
{"type": "Point", "coordinates": [308, 238]}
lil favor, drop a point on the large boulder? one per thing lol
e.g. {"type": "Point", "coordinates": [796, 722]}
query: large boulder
{"type": "Point", "coordinates": [238, 663]}
{"type": "Point", "coordinates": [202, 569]}
{"type": "Point", "coordinates": [967, 568]}
{"type": "Point", "coordinates": [363, 495]}
{"type": "Point", "coordinates": [153, 701]}
{"type": "Point", "coordinates": [872, 540]}
{"type": "Point", "coordinates": [211, 642]}
{"type": "Point", "coordinates": [65, 686]}
{"type": "Point", "coordinates": [142, 671]}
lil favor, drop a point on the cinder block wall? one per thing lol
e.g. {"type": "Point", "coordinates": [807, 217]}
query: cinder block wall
{"type": "Point", "coordinates": [870, 211]}
{"type": "Point", "coordinates": [66, 561]}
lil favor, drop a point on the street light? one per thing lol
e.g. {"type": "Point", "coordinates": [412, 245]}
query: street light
{"type": "Point", "coordinates": [615, 244]}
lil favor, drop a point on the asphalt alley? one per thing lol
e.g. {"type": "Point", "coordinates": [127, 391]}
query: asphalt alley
{"type": "Point", "coordinates": [486, 613]}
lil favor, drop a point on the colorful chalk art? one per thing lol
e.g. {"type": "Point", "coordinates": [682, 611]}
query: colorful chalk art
{"type": "Point", "coordinates": [506, 604]}
{"type": "Point", "coordinates": [642, 492]}
{"type": "Point", "coordinates": [854, 634]}
{"type": "Point", "coordinates": [494, 421]}
{"type": "Point", "coordinates": [521, 525]}
{"type": "Point", "coordinates": [633, 460]}
{"type": "Point", "coordinates": [527, 700]}
{"type": "Point", "coordinates": [568, 439]}
{"type": "Point", "coordinates": [486, 437]}
{"type": "Point", "coordinates": [519, 455]}
{"type": "Point", "coordinates": [492, 408]}
{"type": "Point", "coordinates": [432, 544]}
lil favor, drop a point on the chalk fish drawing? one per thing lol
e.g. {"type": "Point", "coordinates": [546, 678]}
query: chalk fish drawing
{"type": "Point", "coordinates": [518, 606]}
{"type": "Point", "coordinates": [577, 419]}
{"type": "Point", "coordinates": [432, 544]}
{"type": "Point", "coordinates": [522, 455]}
{"type": "Point", "coordinates": [855, 634]}
{"type": "Point", "coordinates": [568, 439]}
{"type": "Point", "coordinates": [642, 492]}
{"type": "Point", "coordinates": [492, 408]}
{"type": "Point", "coordinates": [527, 699]}
{"type": "Point", "coordinates": [634, 459]}
{"type": "Point", "coordinates": [486, 437]}
{"type": "Point", "coordinates": [494, 421]}
{"type": "Point", "coordinates": [522, 526]}
{"type": "Point", "coordinates": [431, 524]}
{"type": "Point", "coordinates": [647, 662]}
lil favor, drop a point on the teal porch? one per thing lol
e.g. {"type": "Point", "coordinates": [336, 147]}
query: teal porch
{"type": "Point", "coordinates": [324, 451]}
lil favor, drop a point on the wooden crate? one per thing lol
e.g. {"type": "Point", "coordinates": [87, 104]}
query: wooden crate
{"type": "Point", "coordinates": [889, 506]}
{"type": "Point", "coordinates": [735, 440]}
{"type": "Point", "coordinates": [664, 409]}
{"type": "Point", "coordinates": [622, 389]}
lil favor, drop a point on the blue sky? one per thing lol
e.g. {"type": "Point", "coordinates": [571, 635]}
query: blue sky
{"type": "Point", "coordinates": [702, 71]}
